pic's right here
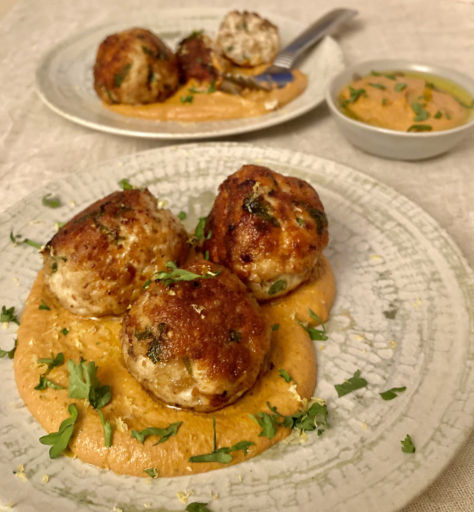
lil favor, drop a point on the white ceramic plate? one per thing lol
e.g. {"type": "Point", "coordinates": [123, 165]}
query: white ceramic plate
{"type": "Point", "coordinates": [403, 317]}
{"type": "Point", "coordinates": [65, 82]}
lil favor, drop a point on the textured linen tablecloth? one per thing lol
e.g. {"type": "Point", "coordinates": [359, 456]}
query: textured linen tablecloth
{"type": "Point", "coordinates": [37, 146]}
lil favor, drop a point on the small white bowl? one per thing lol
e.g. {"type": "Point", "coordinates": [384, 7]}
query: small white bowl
{"type": "Point", "coordinates": [392, 143]}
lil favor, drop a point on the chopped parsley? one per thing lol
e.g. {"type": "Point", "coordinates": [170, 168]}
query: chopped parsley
{"type": "Point", "coordinates": [391, 393]}
{"type": "Point", "coordinates": [355, 94]}
{"type": "Point", "coordinates": [314, 333]}
{"type": "Point", "coordinates": [277, 286]}
{"type": "Point", "coordinates": [125, 184]}
{"type": "Point", "coordinates": [51, 201]}
{"type": "Point", "coordinates": [420, 113]}
{"type": "Point", "coordinates": [391, 76]}
{"type": "Point", "coordinates": [438, 115]}
{"type": "Point", "coordinates": [197, 506]}
{"type": "Point", "coordinates": [60, 439]}
{"type": "Point", "coordinates": [18, 240]}
{"type": "Point", "coordinates": [407, 445]}
{"type": "Point", "coordinates": [182, 215]}
{"type": "Point", "coordinates": [223, 454]}
{"type": "Point", "coordinates": [44, 306]}
{"type": "Point", "coordinates": [235, 335]}
{"type": "Point", "coordinates": [120, 77]}
{"type": "Point", "coordinates": [285, 375]}
{"type": "Point", "coordinates": [275, 327]}
{"type": "Point", "coordinates": [377, 86]}
{"type": "Point", "coordinates": [315, 417]}
{"type": "Point", "coordinates": [50, 362]}
{"type": "Point", "coordinates": [212, 87]}
{"type": "Point", "coordinates": [163, 433]}
{"type": "Point", "coordinates": [64, 331]}
{"type": "Point", "coordinates": [153, 472]}
{"type": "Point", "coordinates": [9, 353]}
{"type": "Point", "coordinates": [107, 426]}
{"type": "Point", "coordinates": [8, 315]}
{"type": "Point", "coordinates": [400, 86]}
{"type": "Point", "coordinates": [187, 99]}
{"type": "Point", "coordinates": [420, 128]}
{"type": "Point", "coordinates": [200, 231]}
{"type": "Point", "coordinates": [173, 274]}
{"type": "Point", "coordinates": [351, 384]}
{"type": "Point", "coordinates": [257, 205]}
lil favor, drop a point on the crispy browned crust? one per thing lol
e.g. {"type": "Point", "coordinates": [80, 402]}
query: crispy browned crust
{"type": "Point", "coordinates": [198, 59]}
{"type": "Point", "coordinates": [106, 252]}
{"type": "Point", "coordinates": [213, 323]}
{"type": "Point", "coordinates": [135, 66]}
{"type": "Point", "coordinates": [264, 224]}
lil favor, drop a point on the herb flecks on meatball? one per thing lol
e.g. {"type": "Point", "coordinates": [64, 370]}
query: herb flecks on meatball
{"type": "Point", "coordinates": [247, 39]}
{"type": "Point", "coordinates": [198, 343]}
{"type": "Point", "coordinates": [269, 229]}
{"type": "Point", "coordinates": [135, 67]}
{"type": "Point", "coordinates": [97, 263]}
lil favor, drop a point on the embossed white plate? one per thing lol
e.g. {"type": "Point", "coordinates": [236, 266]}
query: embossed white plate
{"type": "Point", "coordinates": [403, 317]}
{"type": "Point", "coordinates": [65, 83]}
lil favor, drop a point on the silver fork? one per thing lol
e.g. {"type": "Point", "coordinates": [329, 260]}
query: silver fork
{"type": "Point", "coordinates": [279, 72]}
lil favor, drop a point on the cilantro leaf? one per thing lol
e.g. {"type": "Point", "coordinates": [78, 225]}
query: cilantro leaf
{"type": "Point", "coordinates": [9, 353]}
{"type": "Point", "coordinates": [8, 315]}
{"type": "Point", "coordinates": [60, 439]}
{"type": "Point", "coordinates": [44, 306]}
{"type": "Point", "coordinates": [163, 433]}
{"type": "Point", "coordinates": [153, 472]}
{"type": "Point", "coordinates": [83, 383]}
{"type": "Point", "coordinates": [51, 201]}
{"type": "Point", "coordinates": [50, 362]}
{"type": "Point", "coordinates": [391, 393]}
{"type": "Point", "coordinates": [269, 423]}
{"type": "Point", "coordinates": [407, 445]}
{"type": "Point", "coordinates": [223, 454]}
{"type": "Point", "coordinates": [352, 384]}
{"type": "Point", "coordinates": [197, 506]}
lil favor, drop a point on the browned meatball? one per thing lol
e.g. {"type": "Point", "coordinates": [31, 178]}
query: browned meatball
{"type": "Point", "coordinates": [200, 58]}
{"type": "Point", "coordinates": [268, 228]}
{"type": "Point", "coordinates": [198, 344]}
{"type": "Point", "coordinates": [135, 67]}
{"type": "Point", "coordinates": [97, 263]}
{"type": "Point", "coordinates": [247, 39]}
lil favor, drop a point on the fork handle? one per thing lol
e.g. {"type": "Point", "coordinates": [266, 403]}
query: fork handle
{"type": "Point", "coordinates": [312, 35]}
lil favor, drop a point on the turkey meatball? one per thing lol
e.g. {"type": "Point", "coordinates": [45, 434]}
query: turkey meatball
{"type": "Point", "coordinates": [200, 58]}
{"type": "Point", "coordinates": [198, 344]}
{"type": "Point", "coordinates": [269, 229]}
{"type": "Point", "coordinates": [97, 263]}
{"type": "Point", "coordinates": [135, 67]}
{"type": "Point", "coordinates": [247, 39]}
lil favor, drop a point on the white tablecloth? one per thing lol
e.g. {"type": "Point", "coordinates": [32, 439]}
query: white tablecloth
{"type": "Point", "coordinates": [37, 146]}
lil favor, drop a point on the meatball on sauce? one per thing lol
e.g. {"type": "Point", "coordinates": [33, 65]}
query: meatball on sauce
{"type": "Point", "coordinates": [192, 358]}
{"type": "Point", "coordinates": [137, 75]}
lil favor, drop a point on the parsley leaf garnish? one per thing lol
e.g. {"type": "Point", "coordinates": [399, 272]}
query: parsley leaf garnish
{"type": "Point", "coordinates": [438, 115]}
{"type": "Point", "coordinates": [390, 394]}
{"type": "Point", "coordinates": [355, 94]}
{"type": "Point", "coordinates": [8, 315]}
{"type": "Point", "coordinates": [120, 77]}
{"type": "Point", "coordinates": [407, 445]}
{"type": "Point", "coordinates": [153, 472]}
{"type": "Point", "coordinates": [421, 113]}
{"type": "Point", "coordinates": [83, 383]}
{"type": "Point", "coordinates": [163, 433]}
{"type": "Point", "coordinates": [352, 384]}
{"type": "Point", "coordinates": [391, 76]}
{"type": "Point", "coordinates": [107, 426]}
{"type": "Point", "coordinates": [51, 201]}
{"type": "Point", "coordinates": [182, 215]}
{"type": "Point", "coordinates": [257, 205]}
{"type": "Point", "coordinates": [175, 274]}
{"type": "Point", "coordinates": [187, 99]}
{"type": "Point", "coordinates": [275, 327]}
{"type": "Point", "coordinates": [65, 331]}
{"type": "Point", "coordinates": [223, 454]}
{"type": "Point", "coordinates": [197, 506]}
{"type": "Point", "coordinates": [377, 86]}
{"type": "Point", "coordinates": [9, 353]}
{"type": "Point", "coordinates": [60, 439]}
{"type": "Point", "coordinates": [125, 184]}
{"type": "Point", "coordinates": [314, 334]}
{"type": "Point", "coordinates": [18, 240]}
{"type": "Point", "coordinates": [400, 86]}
